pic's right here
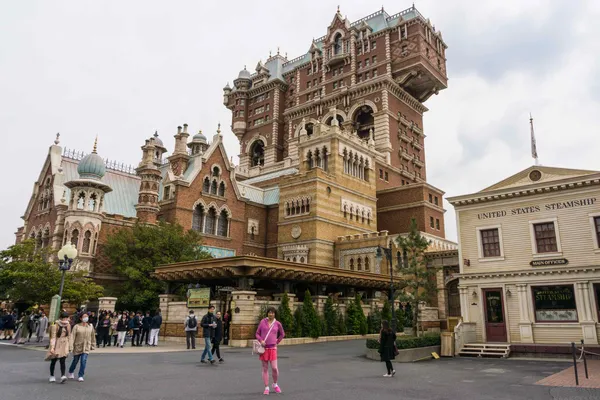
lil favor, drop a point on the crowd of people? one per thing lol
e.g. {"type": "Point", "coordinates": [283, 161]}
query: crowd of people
{"type": "Point", "coordinates": [20, 329]}
{"type": "Point", "coordinates": [83, 331]}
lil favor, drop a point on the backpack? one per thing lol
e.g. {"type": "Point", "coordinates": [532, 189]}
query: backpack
{"type": "Point", "coordinates": [192, 322]}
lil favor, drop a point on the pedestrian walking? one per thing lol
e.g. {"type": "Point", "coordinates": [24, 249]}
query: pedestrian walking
{"type": "Point", "coordinates": [82, 341]}
{"type": "Point", "coordinates": [114, 319]}
{"type": "Point", "coordinates": [270, 333]}
{"type": "Point", "coordinates": [216, 340]}
{"type": "Point", "coordinates": [103, 330]}
{"type": "Point", "coordinates": [9, 325]}
{"type": "Point", "coordinates": [208, 324]}
{"type": "Point", "coordinates": [191, 327]}
{"type": "Point", "coordinates": [19, 331]}
{"type": "Point", "coordinates": [146, 322]}
{"type": "Point", "coordinates": [387, 347]}
{"type": "Point", "coordinates": [59, 346]}
{"type": "Point", "coordinates": [122, 327]}
{"type": "Point", "coordinates": [42, 327]}
{"type": "Point", "coordinates": [155, 328]}
{"type": "Point", "coordinates": [137, 327]}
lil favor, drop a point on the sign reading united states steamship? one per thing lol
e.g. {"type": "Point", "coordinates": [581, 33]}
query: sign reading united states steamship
{"type": "Point", "coordinates": [534, 209]}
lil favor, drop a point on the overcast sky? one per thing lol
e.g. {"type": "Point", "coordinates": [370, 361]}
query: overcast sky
{"type": "Point", "coordinates": [120, 70]}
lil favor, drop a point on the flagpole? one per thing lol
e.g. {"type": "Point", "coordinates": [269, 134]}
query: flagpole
{"type": "Point", "coordinates": [533, 143]}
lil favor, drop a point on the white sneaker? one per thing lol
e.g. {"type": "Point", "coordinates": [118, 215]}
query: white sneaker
{"type": "Point", "coordinates": [71, 376]}
{"type": "Point", "coordinates": [63, 379]}
{"type": "Point", "coordinates": [387, 376]}
{"type": "Point", "coordinates": [393, 372]}
{"type": "Point", "coordinates": [80, 379]}
{"type": "Point", "coordinates": [52, 379]}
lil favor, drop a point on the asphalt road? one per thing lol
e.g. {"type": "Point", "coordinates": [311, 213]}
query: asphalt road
{"type": "Point", "coordinates": [329, 371]}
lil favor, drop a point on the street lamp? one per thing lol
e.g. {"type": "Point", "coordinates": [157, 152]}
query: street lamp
{"type": "Point", "coordinates": [66, 255]}
{"type": "Point", "coordinates": [388, 255]}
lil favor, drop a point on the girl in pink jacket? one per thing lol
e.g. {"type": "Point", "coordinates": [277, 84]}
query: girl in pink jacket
{"type": "Point", "coordinates": [269, 334]}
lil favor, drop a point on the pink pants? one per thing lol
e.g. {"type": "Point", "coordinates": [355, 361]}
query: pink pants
{"type": "Point", "coordinates": [265, 371]}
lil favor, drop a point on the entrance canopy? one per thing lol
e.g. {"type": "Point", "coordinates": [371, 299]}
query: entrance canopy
{"type": "Point", "coordinates": [238, 268]}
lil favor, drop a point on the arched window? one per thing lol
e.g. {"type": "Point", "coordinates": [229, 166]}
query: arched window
{"type": "Point", "coordinates": [398, 257]}
{"type": "Point", "coordinates": [337, 44]}
{"type": "Point", "coordinates": [213, 187]}
{"type": "Point", "coordinates": [303, 207]}
{"type": "Point", "coordinates": [211, 218]}
{"type": "Point", "coordinates": [216, 171]}
{"type": "Point", "coordinates": [325, 159]}
{"type": "Point", "coordinates": [223, 224]}
{"type": "Point", "coordinates": [87, 240]}
{"type": "Point", "coordinates": [302, 260]}
{"type": "Point", "coordinates": [307, 206]}
{"type": "Point", "coordinates": [206, 185]}
{"type": "Point", "coordinates": [198, 218]}
{"type": "Point", "coordinates": [294, 259]}
{"type": "Point", "coordinates": [297, 207]}
{"type": "Point", "coordinates": [352, 264]}
{"type": "Point", "coordinates": [364, 122]}
{"type": "Point", "coordinates": [95, 242]}
{"type": "Point", "coordinates": [92, 202]}
{"type": "Point", "coordinates": [81, 201]}
{"type": "Point", "coordinates": [75, 237]}
{"type": "Point", "coordinates": [38, 240]}
{"type": "Point", "coordinates": [257, 153]}
{"type": "Point", "coordinates": [367, 263]}
{"type": "Point", "coordinates": [345, 212]}
{"type": "Point", "coordinates": [359, 264]}
{"type": "Point", "coordinates": [46, 237]}
{"type": "Point", "coordinates": [309, 159]}
{"type": "Point", "coordinates": [222, 189]}
{"type": "Point", "coordinates": [287, 208]}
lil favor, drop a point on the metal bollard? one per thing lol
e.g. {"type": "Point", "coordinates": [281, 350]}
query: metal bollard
{"type": "Point", "coordinates": [584, 360]}
{"type": "Point", "coordinates": [575, 363]}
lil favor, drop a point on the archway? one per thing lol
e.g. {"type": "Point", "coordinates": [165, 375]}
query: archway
{"type": "Point", "coordinates": [364, 121]}
{"type": "Point", "coordinates": [257, 153]}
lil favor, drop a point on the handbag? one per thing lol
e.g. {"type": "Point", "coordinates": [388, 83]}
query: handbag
{"type": "Point", "coordinates": [257, 347]}
{"type": "Point", "coordinates": [396, 351]}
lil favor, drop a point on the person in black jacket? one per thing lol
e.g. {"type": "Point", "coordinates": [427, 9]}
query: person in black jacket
{"type": "Point", "coordinates": [155, 328]}
{"type": "Point", "coordinates": [122, 327]}
{"type": "Point", "coordinates": [208, 324]}
{"type": "Point", "coordinates": [146, 321]}
{"type": "Point", "coordinates": [216, 340]}
{"type": "Point", "coordinates": [387, 347]}
{"type": "Point", "coordinates": [137, 325]}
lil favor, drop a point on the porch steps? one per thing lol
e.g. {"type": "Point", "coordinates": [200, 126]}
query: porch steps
{"type": "Point", "coordinates": [498, 350]}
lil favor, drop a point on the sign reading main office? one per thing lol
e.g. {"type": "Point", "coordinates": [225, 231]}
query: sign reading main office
{"type": "Point", "coordinates": [537, 208]}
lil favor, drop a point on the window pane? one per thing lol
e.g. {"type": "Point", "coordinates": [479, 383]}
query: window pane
{"type": "Point", "coordinates": [597, 224]}
{"type": "Point", "coordinates": [490, 241]}
{"type": "Point", "coordinates": [545, 237]}
{"type": "Point", "coordinates": [554, 303]}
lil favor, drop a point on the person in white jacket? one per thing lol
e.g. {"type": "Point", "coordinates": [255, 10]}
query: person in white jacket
{"type": "Point", "coordinates": [191, 327]}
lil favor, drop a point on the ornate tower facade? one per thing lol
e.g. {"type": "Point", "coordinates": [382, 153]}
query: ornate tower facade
{"type": "Point", "coordinates": [373, 76]}
{"type": "Point", "coordinates": [147, 207]}
{"type": "Point", "coordinates": [84, 215]}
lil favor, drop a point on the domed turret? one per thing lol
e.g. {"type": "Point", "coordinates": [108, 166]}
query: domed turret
{"type": "Point", "coordinates": [244, 74]}
{"type": "Point", "coordinates": [198, 144]}
{"type": "Point", "coordinates": [92, 165]}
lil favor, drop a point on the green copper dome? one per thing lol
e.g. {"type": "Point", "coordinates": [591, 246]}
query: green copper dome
{"type": "Point", "coordinates": [91, 166]}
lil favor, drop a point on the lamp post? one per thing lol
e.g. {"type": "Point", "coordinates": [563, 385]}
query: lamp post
{"type": "Point", "coordinates": [66, 255]}
{"type": "Point", "coordinates": [388, 255]}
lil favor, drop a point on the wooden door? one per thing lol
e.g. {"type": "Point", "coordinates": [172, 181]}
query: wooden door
{"type": "Point", "coordinates": [495, 321]}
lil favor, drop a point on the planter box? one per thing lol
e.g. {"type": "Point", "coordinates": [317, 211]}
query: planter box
{"type": "Point", "coordinates": [406, 355]}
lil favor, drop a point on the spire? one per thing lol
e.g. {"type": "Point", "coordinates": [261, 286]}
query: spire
{"type": "Point", "coordinates": [533, 143]}
{"type": "Point", "coordinates": [57, 140]}
{"type": "Point", "coordinates": [338, 10]}
{"type": "Point", "coordinates": [155, 133]}
{"type": "Point", "coordinates": [219, 128]}
{"type": "Point", "coordinates": [95, 145]}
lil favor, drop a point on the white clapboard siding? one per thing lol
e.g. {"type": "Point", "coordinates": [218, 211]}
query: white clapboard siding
{"type": "Point", "coordinates": [575, 230]}
{"type": "Point", "coordinates": [557, 334]}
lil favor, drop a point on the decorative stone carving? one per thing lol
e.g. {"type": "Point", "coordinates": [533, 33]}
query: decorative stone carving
{"type": "Point", "coordinates": [296, 231]}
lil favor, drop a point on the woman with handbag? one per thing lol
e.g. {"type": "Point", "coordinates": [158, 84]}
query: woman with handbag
{"type": "Point", "coordinates": [59, 346]}
{"type": "Point", "coordinates": [268, 335]}
{"type": "Point", "coordinates": [387, 347]}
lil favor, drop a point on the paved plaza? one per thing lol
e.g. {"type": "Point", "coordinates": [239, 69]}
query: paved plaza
{"type": "Point", "coordinates": [336, 370]}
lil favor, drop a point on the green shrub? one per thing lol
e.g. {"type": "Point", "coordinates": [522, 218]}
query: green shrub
{"type": "Point", "coordinates": [410, 342]}
{"type": "Point", "coordinates": [285, 315]}
{"type": "Point", "coordinates": [297, 332]}
{"type": "Point", "coordinates": [311, 325]}
{"type": "Point", "coordinates": [330, 317]}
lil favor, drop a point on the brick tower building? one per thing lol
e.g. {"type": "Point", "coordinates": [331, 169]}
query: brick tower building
{"type": "Point", "coordinates": [332, 165]}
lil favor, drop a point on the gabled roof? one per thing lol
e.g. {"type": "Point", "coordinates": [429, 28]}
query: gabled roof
{"type": "Point", "coordinates": [547, 175]}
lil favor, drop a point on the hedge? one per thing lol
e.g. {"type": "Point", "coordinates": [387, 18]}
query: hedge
{"type": "Point", "coordinates": [410, 342]}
